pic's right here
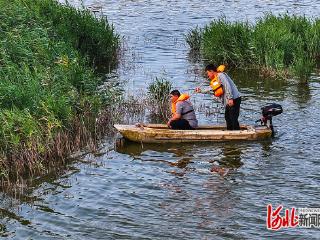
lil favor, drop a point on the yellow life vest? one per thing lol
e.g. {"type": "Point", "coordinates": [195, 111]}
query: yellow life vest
{"type": "Point", "coordinates": [183, 97]}
{"type": "Point", "coordinates": [221, 68]}
{"type": "Point", "coordinates": [216, 87]}
{"type": "Point", "coordinates": [215, 83]}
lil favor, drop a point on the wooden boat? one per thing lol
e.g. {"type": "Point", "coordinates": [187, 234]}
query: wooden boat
{"type": "Point", "coordinates": [160, 133]}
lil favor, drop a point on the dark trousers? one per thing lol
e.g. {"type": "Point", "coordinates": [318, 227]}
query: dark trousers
{"type": "Point", "coordinates": [181, 124]}
{"type": "Point", "coordinates": [232, 114]}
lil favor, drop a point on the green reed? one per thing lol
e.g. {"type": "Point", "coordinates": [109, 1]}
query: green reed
{"type": "Point", "coordinates": [281, 45]}
{"type": "Point", "coordinates": [159, 99]}
{"type": "Point", "coordinates": [91, 36]}
{"type": "Point", "coordinates": [194, 39]}
{"type": "Point", "coordinates": [227, 42]}
{"type": "Point", "coordinates": [50, 59]}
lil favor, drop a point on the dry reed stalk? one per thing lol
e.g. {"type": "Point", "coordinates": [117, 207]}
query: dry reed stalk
{"type": "Point", "coordinates": [26, 162]}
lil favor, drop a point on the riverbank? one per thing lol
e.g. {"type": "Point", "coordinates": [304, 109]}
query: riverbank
{"type": "Point", "coordinates": [283, 45]}
{"type": "Point", "coordinates": [52, 57]}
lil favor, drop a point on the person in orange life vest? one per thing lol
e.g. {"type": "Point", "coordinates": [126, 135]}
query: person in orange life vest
{"type": "Point", "coordinates": [183, 115]}
{"type": "Point", "coordinates": [225, 89]}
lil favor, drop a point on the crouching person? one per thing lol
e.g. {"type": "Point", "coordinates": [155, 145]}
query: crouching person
{"type": "Point", "coordinates": [183, 115]}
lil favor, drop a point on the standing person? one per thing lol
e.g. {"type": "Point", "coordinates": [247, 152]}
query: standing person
{"type": "Point", "coordinates": [224, 88]}
{"type": "Point", "coordinates": [183, 115]}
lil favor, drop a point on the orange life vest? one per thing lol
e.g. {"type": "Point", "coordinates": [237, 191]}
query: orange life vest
{"type": "Point", "coordinates": [215, 83]}
{"type": "Point", "coordinates": [183, 97]}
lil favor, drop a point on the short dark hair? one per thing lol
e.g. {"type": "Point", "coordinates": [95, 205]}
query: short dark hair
{"type": "Point", "coordinates": [175, 93]}
{"type": "Point", "coordinates": [211, 67]}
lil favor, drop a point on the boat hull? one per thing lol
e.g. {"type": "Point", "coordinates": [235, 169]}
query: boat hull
{"type": "Point", "coordinates": [160, 133]}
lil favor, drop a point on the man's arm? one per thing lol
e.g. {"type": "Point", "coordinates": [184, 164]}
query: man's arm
{"type": "Point", "coordinates": [207, 90]}
{"type": "Point", "coordinates": [176, 115]}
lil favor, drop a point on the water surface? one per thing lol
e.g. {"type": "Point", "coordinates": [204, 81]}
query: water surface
{"type": "Point", "coordinates": [168, 191]}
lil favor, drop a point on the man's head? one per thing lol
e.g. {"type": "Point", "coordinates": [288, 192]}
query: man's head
{"type": "Point", "coordinates": [211, 70]}
{"type": "Point", "coordinates": [174, 95]}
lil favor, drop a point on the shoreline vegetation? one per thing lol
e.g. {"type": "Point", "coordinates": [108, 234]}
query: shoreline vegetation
{"type": "Point", "coordinates": [277, 46]}
{"type": "Point", "coordinates": [52, 61]}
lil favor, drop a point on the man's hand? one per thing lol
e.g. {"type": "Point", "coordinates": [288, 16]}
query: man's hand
{"type": "Point", "coordinates": [198, 90]}
{"type": "Point", "coordinates": [230, 102]}
{"type": "Point", "coordinates": [168, 123]}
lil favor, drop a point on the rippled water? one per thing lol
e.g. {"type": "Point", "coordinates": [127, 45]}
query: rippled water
{"type": "Point", "coordinates": [168, 191]}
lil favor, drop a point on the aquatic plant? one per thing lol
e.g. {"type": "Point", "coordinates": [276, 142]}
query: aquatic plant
{"type": "Point", "coordinates": [281, 43]}
{"type": "Point", "coordinates": [91, 36]}
{"type": "Point", "coordinates": [277, 45]}
{"type": "Point", "coordinates": [226, 42]}
{"type": "Point", "coordinates": [194, 39]}
{"type": "Point", "coordinates": [158, 99]}
{"type": "Point", "coordinates": [50, 104]}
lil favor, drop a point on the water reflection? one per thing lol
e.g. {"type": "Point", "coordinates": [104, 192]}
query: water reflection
{"type": "Point", "coordinates": [230, 160]}
{"type": "Point", "coordinates": [302, 94]}
{"type": "Point", "coordinates": [179, 157]}
{"type": "Point", "coordinates": [31, 195]}
{"type": "Point", "coordinates": [254, 85]}
{"type": "Point", "coordinates": [224, 155]}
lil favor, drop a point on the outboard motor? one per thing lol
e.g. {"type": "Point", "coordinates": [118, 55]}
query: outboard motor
{"type": "Point", "coordinates": [267, 113]}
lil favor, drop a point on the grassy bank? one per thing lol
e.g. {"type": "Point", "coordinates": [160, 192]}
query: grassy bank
{"type": "Point", "coordinates": [281, 45]}
{"type": "Point", "coordinates": [50, 59]}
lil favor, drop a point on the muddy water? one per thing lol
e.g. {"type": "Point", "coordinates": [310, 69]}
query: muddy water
{"type": "Point", "coordinates": [168, 191]}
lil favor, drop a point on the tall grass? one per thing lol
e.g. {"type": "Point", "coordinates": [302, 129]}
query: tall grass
{"type": "Point", "coordinates": [194, 39]}
{"type": "Point", "coordinates": [50, 58]}
{"type": "Point", "coordinates": [284, 44]}
{"type": "Point", "coordinates": [159, 99]}
{"type": "Point", "coordinates": [91, 36]}
{"type": "Point", "coordinates": [226, 42]}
